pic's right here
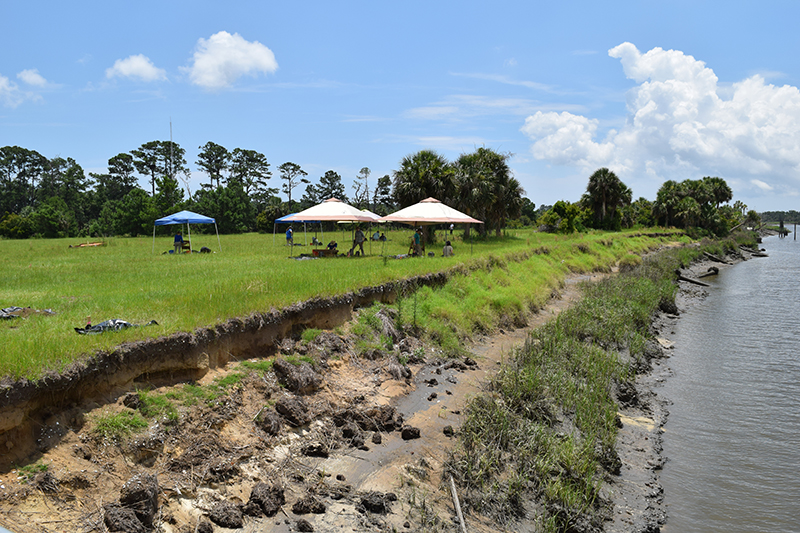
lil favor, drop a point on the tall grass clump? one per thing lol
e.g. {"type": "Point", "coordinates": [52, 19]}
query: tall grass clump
{"type": "Point", "coordinates": [545, 432]}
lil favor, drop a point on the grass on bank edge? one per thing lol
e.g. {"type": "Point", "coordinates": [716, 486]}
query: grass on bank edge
{"type": "Point", "coordinates": [126, 280]}
{"type": "Point", "coordinates": [546, 430]}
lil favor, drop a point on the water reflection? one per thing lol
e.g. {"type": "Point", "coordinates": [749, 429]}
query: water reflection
{"type": "Point", "coordinates": [733, 434]}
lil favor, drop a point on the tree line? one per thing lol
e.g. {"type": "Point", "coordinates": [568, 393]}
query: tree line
{"type": "Point", "coordinates": [700, 206]}
{"type": "Point", "coordinates": [481, 185]}
{"type": "Point", "coordinates": [55, 198]}
{"type": "Point", "coordinates": [788, 217]}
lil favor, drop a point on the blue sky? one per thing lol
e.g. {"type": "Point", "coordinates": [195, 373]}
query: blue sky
{"type": "Point", "coordinates": [651, 90]}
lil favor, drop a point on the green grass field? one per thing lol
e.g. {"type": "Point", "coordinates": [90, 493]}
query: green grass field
{"type": "Point", "coordinates": [127, 279]}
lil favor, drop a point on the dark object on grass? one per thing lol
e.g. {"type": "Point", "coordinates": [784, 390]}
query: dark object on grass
{"type": "Point", "coordinates": [205, 250]}
{"type": "Point", "coordinates": [115, 324]}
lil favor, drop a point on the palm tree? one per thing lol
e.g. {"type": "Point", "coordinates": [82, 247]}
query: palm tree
{"type": "Point", "coordinates": [689, 211]}
{"type": "Point", "coordinates": [474, 185]}
{"type": "Point", "coordinates": [719, 189]}
{"type": "Point", "coordinates": [421, 176]}
{"type": "Point", "coordinates": [507, 204]}
{"type": "Point", "coordinates": [666, 202]}
{"type": "Point", "coordinates": [604, 194]}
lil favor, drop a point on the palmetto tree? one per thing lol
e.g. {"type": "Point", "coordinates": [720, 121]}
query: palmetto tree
{"type": "Point", "coordinates": [422, 175]}
{"type": "Point", "coordinates": [689, 211]}
{"type": "Point", "coordinates": [604, 194]}
{"type": "Point", "coordinates": [486, 189]}
{"type": "Point", "coordinates": [475, 190]}
{"type": "Point", "coordinates": [666, 204]}
{"type": "Point", "coordinates": [719, 190]}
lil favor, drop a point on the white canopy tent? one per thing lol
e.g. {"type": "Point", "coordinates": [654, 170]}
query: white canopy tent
{"type": "Point", "coordinates": [188, 218]}
{"type": "Point", "coordinates": [428, 212]}
{"type": "Point", "coordinates": [331, 210]}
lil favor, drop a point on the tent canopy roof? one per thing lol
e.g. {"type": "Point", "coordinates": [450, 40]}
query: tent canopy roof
{"type": "Point", "coordinates": [430, 211]}
{"type": "Point", "coordinates": [333, 210]}
{"type": "Point", "coordinates": [184, 217]}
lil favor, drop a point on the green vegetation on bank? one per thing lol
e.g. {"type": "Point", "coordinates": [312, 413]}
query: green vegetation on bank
{"type": "Point", "coordinates": [546, 429]}
{"type": "Point", "coordinates": [126, 280]}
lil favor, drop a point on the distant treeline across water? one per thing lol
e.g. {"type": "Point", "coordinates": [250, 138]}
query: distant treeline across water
{"type": "Point", "coordinates": [788, 217]}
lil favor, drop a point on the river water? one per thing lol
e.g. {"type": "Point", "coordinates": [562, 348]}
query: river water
{"type": "Point", "coordinates": [732, 439]}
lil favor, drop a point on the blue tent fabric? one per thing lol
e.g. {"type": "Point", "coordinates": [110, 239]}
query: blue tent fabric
{"type": "Point", "coordinates": [185, 217]}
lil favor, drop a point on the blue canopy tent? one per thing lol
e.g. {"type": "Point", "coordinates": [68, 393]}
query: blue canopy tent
{"type": "Point", "coordinates": [185, 217]}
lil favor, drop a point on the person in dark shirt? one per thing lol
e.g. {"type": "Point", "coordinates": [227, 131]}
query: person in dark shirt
{"type": "Point", "coordinates": [178, 243]}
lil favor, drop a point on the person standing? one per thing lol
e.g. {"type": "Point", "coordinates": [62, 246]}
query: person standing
{"type": "Point", "coordinates": [451, 230]}
{"type": "Point", "coordinates": [178, 243]}
{"type": "Point", "coordinates": [289, 237]}
{"type": "Point", "coordinates": [418, 249]}
{"type": "Point", "coordinates": [358, 240]}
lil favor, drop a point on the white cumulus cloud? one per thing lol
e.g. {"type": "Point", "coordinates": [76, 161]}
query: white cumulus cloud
{"type": "Point", "coordinates": [682, 124]}
{"type": "Point", "coordinates": [137, 67]}
{"type": "Point", "coordinates": [9, 92]}
{"type": "Point", "coordinates": [565, 139]}
{"type": "Point", "coordinates": [761, 185]}
{"type": "Point", "coordinates": [223, 58]}
{"type": "Point", "coordinates": [11, 95]}
{"type": "Point", "coordinates": [32, 77]}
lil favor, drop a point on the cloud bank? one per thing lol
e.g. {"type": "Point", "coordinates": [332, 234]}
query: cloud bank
{"type": "Point", "coordinates": [223, 58]}
{"type": "Point", "coordinates": [682, 124]}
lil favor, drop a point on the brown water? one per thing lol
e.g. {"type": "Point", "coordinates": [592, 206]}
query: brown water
{"type": "Point", "coordinates": [732, 438]}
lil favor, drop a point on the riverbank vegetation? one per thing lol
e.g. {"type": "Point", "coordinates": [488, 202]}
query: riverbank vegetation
{"type": "Point", "coordinates": [545, 431]}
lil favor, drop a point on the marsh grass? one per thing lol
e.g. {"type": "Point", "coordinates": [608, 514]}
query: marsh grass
{"type": "Point", "coordinates": [124, 279]}
{"type": "Point", "coordinates": [546, 430]}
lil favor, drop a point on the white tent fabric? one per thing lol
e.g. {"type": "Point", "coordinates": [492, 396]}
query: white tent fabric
{"type": "Point", "coordinates": [427, 212]}
{"type": "Point", "coordinates": [332, 210]}
{"type": "Point", "coordinates": [185, 217]}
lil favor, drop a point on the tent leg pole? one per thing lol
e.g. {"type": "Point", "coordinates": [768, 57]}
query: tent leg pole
{"type": "Point", "coordinates": [218, 241]}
